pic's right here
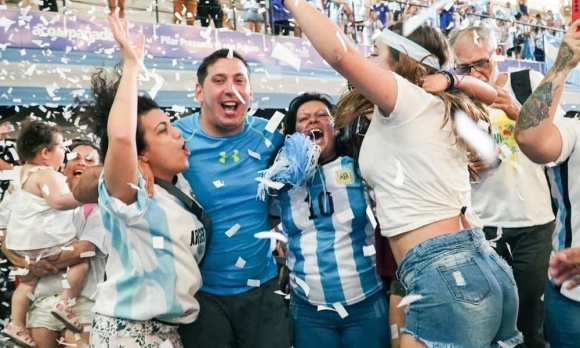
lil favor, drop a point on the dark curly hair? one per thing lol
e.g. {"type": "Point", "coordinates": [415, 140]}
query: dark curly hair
{"type": "Point", "coordinates": [104, 91]}
{"type": "Point", "coordinates": [290, 119]}
{"type": "Point", "coordinates": [35, 135]}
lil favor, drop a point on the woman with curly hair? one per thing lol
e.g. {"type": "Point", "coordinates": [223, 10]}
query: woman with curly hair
{"type": "Point", "coordinates": [152, 270]}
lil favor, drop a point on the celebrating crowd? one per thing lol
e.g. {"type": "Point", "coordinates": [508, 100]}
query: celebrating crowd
{"type": "Point", "coordinates": [416, 212]}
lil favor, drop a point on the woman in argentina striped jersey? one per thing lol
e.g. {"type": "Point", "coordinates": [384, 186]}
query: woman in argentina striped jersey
{"type": "Point", "coordinates": [336, 298]}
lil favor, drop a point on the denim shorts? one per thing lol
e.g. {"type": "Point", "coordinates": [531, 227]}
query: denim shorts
{"type": "Point", "coordinates": [468, 293]}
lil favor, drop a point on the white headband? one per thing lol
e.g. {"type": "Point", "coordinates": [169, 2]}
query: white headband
{"type": "Point", "coordinates": [410, 48]}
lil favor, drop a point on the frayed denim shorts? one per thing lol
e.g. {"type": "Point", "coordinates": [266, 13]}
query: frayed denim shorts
{"type": "Point", "coordinates": [467, 295]}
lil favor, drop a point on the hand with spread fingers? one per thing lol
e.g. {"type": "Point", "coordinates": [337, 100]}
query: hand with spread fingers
{"type": "Point", "coordinates": [131, 54]}
{"type": "Point", "coordinates": [507, 103]}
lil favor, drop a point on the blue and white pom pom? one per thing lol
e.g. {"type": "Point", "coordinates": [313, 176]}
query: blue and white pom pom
{"type": "Point", "coordinates": [295, 165]}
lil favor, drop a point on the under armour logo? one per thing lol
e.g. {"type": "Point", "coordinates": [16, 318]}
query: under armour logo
{"type": "Point", "coordinates": [234, 155]}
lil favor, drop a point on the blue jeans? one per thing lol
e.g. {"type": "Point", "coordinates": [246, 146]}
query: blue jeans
{"type": "Point", "coordinates": [469, 296]}
{"type": "Point", "coordinates": [367, 324]}
{"type": "Point", "coordinates": [562, 324]}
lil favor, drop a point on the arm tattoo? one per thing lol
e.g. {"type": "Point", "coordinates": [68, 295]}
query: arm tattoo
{"type": "Point", "coordinates": [537, 107]}
{"type": "Point", "coordinates": [564, 55]}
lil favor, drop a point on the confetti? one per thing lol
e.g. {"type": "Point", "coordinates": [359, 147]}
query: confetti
{"type": "Point", "coordinates": [303, 285]}
{"type": "Point", "coordinates": [407, 300]}
{"type": "Point", "coordinates": [253, 109]}
{"type": "Point", "coordinates": [233, 230]}
{"type": "Point", "coordinates": [505, 345]}
{"type": "Point", "coordinates": [71, 156]}
{"type": "Point", "coordinates": [268, 142]}
{"type": "Point", "coordinates": [369, 250]}
{"type": "Point", "coordinates": [254, 282]}
{"type": "Point", "coordinates": [45, 190]}
{"type": "Point", "coordinates": [240, 263]}
{"type": "Point", "coordinates": [272, 235]}
{"type": "Point", "coordinates": [283, 54]}
{"type": "Point", "coordinates": [230, 54]}
{"type": "Point", "coordinates": [67, 248]}
{"type": "Point", "coordinates": [274, 122]}
{"type": "Point", "coordinates": [87, 254]}
{"type": "Point", "coordinates": [411, 24]}
{"type": "Point", "coordinates": [371, 216]}
{"type": "Point", "coordinates": [166, 344]}
{"type": "Point", "coordinates": [477, 139]}
{"type": "Point", "coordinates": [65, 284]}
{"type": "Point", "coordinates": [133, 186]}
{"type": "Point", "coordinates": [340, 310]}
{"type": "Point", "coordinates": [31, 296]}
{"type": "Point", "coordinates": [158, 242]}
{"type": "Point", "coordinates": [254, 155]}
{"type": "Point", "coordinates": [394, 331]}
{"type": "Point", "coordinates": [218, 183]}
{"type": "Point", "coordinates": [476, 38]}
{"type": "Point", "coordinates": [280, 292]}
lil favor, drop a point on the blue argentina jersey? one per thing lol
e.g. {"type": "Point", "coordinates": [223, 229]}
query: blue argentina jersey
{"type": "Point", "coordinates": [153, 246]}
{"type": "Point", "coordinates": [222, 172]}
{"type": "Point", "coordinates": [328, 228]}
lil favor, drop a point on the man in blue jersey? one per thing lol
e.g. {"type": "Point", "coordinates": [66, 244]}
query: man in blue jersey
{"type": "Point", "coordinates": [238, 305]}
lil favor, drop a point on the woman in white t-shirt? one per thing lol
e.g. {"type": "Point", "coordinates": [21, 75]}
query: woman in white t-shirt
{"type": "Point", "coordinates": [155, 243]}
{"type": "Point", "coordinates": [417, 167]}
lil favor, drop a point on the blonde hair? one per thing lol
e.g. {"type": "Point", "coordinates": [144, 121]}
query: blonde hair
{"type": "Point", "coordinates": [353, 104]}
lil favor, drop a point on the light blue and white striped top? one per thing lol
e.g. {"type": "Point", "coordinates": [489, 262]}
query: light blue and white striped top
{"type": "Point", "coordinates": [154, 247]}
{"type": "Point", "coordinates": [328, 230]}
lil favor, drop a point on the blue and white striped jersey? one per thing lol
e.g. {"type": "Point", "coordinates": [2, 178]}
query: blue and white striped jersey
{"type": "Point", "coordinates": [154, 246]}
{"type": "Point", "coordinates": [328, 233]}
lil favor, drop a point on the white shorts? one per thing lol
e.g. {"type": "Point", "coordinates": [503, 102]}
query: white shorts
{"type": "Point", "coordinates": [40, 316]}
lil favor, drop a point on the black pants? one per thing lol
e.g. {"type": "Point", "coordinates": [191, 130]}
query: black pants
{"type": "Point", "coordinates": [254, 319]}
{"type": "Point", "coordinates": [48, 5]}
{"type": "Point", "coordinates": [528, 255]}
{"type": "Point", "coordinates": [209, 9]}
{"type": "Point", "coordinates": [282, 27]}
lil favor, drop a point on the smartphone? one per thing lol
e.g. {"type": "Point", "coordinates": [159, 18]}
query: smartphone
{"type": "Point", "coordinates": [575, 10]}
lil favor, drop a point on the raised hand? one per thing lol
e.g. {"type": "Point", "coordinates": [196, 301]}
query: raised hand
{"type": "Point", "coordinates": [132, 54]}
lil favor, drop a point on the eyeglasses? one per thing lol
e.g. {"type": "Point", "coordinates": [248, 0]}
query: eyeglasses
{"type": "Point", "coordinates": [479, 66]}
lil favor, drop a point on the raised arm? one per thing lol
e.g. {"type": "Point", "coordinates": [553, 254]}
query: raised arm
{"type": "Point", "coordinates": [469, 85]}
{"type": "Point", "coordinates": [56, 192]}
{"type": "Point", "coordinates": [375, 83]}
{"type": "Point", "coordinates": [121, 161]}
{"type": "Point", "coordinates": [536, 134]}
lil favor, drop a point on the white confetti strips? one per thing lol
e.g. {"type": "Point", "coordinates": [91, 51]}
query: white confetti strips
{"type": "Point", "coordinates": [340, 310]}
{"type": "Point", "coordinates": [283, 54]}
{"type": "Point", "coordinates": [45, 190]}
{"type": "Point", "coordinates": [484, 126]}
{"type": "Point", "coordinates": [271, 235]}
{"type": "Point", "coordinates": [476, 38]}
{"type": "Point", "coordinates": [67, 248]}
{"type": "Point", "coordinates": [65, 284]}
{"type": "Point", "coordinates": [371, 216]}
{"type": "Point", "coordinates": [31, 296]}
{"type": "Point", "coordinates": [7, 175]}
{"type": "Point", "coordinates": [272, 184]}
{"type": "Point", "coordinates": [324, 308]}
{"type": "Point", "coordinates": [240, 263]}
{"type": "Point", "coordinates": [71, 302]}
{"type": "Point", "coordinates": [67, 143]}
{"type": "Point", "coordinates": [254, 282]}
{"type": "Point", "coordinates": [253, 109]}
{"type": "Point", "coordinates": [87, 254]}
{"type": "Point", "coordinates": [71, 156]}
{"type": "Point", "coordinates": [394, 331]}
{"type": "Point", "coordinates": [301, 283]}
{"type": "Point", "coordinates": [233, 230]}
{"type": "Point", "coordinates": [158, 242]}
{"type": "Point", "coordinates": [230, 54]}
{"type": "Point", "coordinates": [369, 250]}
{"type": "Point", "coordinates": [274, 122]}
{"type": "Point", "coordinates": [158, 84]}
{"type": "Point", "coordinates": [399, 174]}
{"type": "Point", "coordinates": [345, 216]}
{"type": "Point", "coordinates": [77, 336]}
{"type": "Point", "coordinates": [407, 300]}
{"type": "Point", "coordinates": [268, 142]}
{"type": "Point", "coordinates": [166, 344]}
{"type": "Point", "coordinates": [411, 24]}
{"type": "Point", "coordinates": [505, 151]}
{"type": "Point", "coordinates": [280, 292]}
{"type": "Point", "coordinates": [238, 95]}
{"type": "Point", "coordinates": [133, 186]}
{"type": "Point", "coordinates": [87, 328]}
{"type": "Point", "coordinates": [479, 140]}
{"type": "Point", "coordinates": [254, 155]}
{"type": "Point", "coordinates": [218, 183]}
{"type": "Point", "coordinates": [505, 345]}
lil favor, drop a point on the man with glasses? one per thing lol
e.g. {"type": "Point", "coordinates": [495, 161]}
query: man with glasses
{"type": "Point", "coordinates": [511, 197]}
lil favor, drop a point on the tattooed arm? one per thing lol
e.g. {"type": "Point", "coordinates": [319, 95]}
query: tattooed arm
{"type": "Point", "coordinates": [536, 134]}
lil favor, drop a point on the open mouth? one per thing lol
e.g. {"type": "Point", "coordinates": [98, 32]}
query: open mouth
{"type": "Point", "coordinates": [315, 134]}
{"type": "Point", "coordinates": [78, 172]}
{"type": "Point", "coordinates": [230, 106]}
{"type": "Point", "coordinates": [184, 148]}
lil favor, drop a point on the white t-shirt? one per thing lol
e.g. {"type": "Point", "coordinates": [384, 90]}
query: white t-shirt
{"type": "Point", "coordinates": [516, 193]}
{"type": "Point", "coordinates": [413, 163]}
{"type": "Point", "coordinates": [90, 230]}
{"type": "Point", "coordinates": [359, 9]}
{"type": "Point", "coordinates": [565, 186]}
